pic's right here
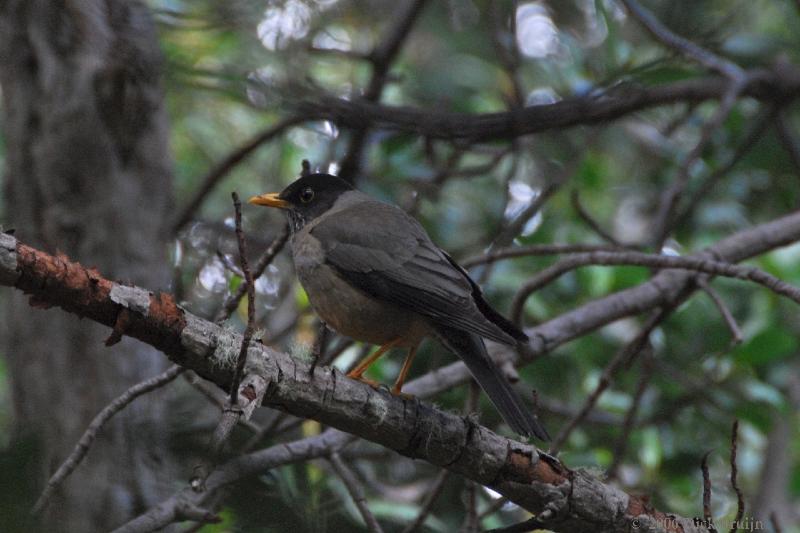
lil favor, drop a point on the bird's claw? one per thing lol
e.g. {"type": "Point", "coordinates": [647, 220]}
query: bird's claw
{"type": "Point", "coordinates": [371, 382]}
{"type": "Point", "coordinates": [398, 392]}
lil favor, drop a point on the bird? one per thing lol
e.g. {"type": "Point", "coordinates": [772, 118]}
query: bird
{"type": "Point", "coordinates": [372, 273]}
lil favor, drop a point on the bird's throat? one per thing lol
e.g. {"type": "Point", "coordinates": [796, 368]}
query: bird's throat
{"type": "Point", "coordinates": [296, 220]}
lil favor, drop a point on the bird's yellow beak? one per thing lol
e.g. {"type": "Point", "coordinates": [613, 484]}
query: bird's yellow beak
{"type": "Point", "coordinates": [270, 200]}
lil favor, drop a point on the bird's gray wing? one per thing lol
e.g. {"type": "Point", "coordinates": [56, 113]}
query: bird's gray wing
{"type": "Point", "coordinates": [381, 250]}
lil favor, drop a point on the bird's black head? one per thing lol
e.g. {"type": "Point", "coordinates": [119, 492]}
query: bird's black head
{"type": "Point", "coordinates": [307, 198]}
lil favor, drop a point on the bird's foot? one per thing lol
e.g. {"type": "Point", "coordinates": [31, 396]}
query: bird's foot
{"type": "Point", "coordinates": [397, 391]}
{"type": "Point", "coordinates": [371, 382]}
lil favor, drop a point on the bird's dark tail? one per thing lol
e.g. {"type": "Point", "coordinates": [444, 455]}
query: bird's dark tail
{"type": "Point", "coordinates": [471, 349]}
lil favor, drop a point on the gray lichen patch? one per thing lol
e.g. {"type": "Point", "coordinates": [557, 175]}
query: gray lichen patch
{"type": "Point", "coordinates": [199, 336]}
{"type": "Point", "coordinates": [8, 259]}
{"type": "Point", "coordinates": [132, 298]}
{"type": "Point", "coordinates": [301, 351]}
{"type": "Point", "coordinates": [226, 352]}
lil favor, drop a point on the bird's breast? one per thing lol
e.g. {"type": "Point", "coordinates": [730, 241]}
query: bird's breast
{"type": "Point", "coordinates": [347, 309]}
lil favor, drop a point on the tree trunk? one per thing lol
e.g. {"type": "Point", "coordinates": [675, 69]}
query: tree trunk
{"type": "Point", "coordinates": [88, 173]}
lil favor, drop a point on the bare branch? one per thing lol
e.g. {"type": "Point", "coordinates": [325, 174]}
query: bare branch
{"type": "Point", "coordinates": [631, 258]}
{"type": "Point", "coordinates": [356, 492]}
{"type": "Point", "coordinates": [781, 85]}
{"type": "Point", "coordinates": [232, 302]}
{"type": "Point", "coordinates": [664, 220]}
{"type": "Point", "coordinates": [86, 441]}
{"type": "Point", "coordinates": [427, 505]}
{"type": "Point", "coordinates": [536, 250]}
{"type": "Point", "coordinates": [633, 348]}
{"type": "Point", "coordinates": [224, 167]}
{"type": "Point", "coordinates": [251, 297]}
{"type": "Point", "coordinates": [788, 140]}
{"type": "Point", "coordinates": [241, 467]}
{"type": "Point", "coordinates": [755, 132]}
{"type": "Point", "coordinates": [708, 519]}
{"type": "Point", "coordinates": [730, 321]}
{"type": "Point", "coordinates": [683, 46]}
{"type": "Point", "coordinates": [734, 481]}
{"type": "Point", "coordinates": [216, 396]}
{"type": "Point", "coordinates": [621, 445]}
{"type": "Point", "coordinates": [591, 222]}
{"type": "Point", "coordinates": [495, 506]}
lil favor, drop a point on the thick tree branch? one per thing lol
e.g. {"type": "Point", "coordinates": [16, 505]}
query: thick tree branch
{"type": "Point", "coordinates": [777, 85]}
{"type": "Point", "coordinates": [574, 501]}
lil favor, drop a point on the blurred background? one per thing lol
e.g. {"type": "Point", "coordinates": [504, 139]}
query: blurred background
{"type": "Point", "coordinates": [123, 192]}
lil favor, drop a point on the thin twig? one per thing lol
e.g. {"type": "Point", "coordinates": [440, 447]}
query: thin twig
{"type": "Point", "coordinates": [255, 463]}
{"type": "Point", "coordinates": [89, 436]}
{"type": "Point", "coordinates": [734, 480]}
{"type": "Point", "coordinates": [788, 140]}
{"type": "Point", "coordinates": [532, 524]}
{"type": "Point", "coordinates": [623, 356]}
{"type": "Point", "coordinates": [709, 520]}
{"type": "Point", "coordinates": [427, 505]}
{"type": "Point", "coordinates": [664, 220]}
{"type": "Point", "coordinates": [232, 302]}
{"type": "Point", "coordinates": [434, 185]}
{"type": "Point", "coordinates": [682, 45]}
{"type": "Point", "coordinates": [507, 55]}
{"type": "Point", "coordinates": [232, 412]}
{"type": "Point", "coordinates": [632, 258]}
{"type": "Point", "coordinates": [251, 301]}
{"type": "Point", "coordinates": [535, 250]}
{"type": "Point", "coordinates": [356, 492]}
{"type": "Point", "coordinates": [621, 445]}
{"type": "Point", "coordinates": [755, 132]}
{"type": "Point", "coordinates": [730, 321]}
{"type": "Point", "coordinates": [226, 165]}
{"type": "Point", "coordinates": [591, 222]}
{"type": "Point", "coordinates": [216, 396]}
{"type": "Point", "coordinates": [514, 226]}
{"type": "Point", "coordinates": [495, 506]}
{"type": "Point", "coordinates": [470, 524]}
{"type": "Point", "coordinates": [228, 263]}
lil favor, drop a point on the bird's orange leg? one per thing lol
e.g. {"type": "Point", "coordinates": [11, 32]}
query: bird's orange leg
{"type": "Point", "coordinates": [401, 378]}
{"type": "Point", "coordinates": [358, 371]}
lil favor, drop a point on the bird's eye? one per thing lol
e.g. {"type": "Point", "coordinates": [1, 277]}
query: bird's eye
{"type": "Point", "coordinates": [306, 195]}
